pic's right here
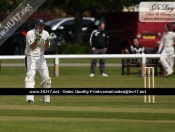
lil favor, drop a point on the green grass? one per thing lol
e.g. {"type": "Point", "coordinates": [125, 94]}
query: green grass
{"type": "Point", "coordinates": [79, 77]}
{"type": "Point", "coordinates": [86, 113]}
{"type": "Point", "coordinates": [64, 61]}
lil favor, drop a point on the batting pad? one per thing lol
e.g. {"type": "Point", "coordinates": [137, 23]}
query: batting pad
{"type": "Point", "coordinates": [46, 84]}
{"type": "Point", "coordinates": [45, 98]}
{"type": "Point", "coordinates": [29, 82]}
{"type": "Point", "coordinates": [30, 98]}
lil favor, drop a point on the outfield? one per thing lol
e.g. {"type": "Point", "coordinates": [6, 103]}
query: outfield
{"type": "Point", "coordinates": [86, 113]}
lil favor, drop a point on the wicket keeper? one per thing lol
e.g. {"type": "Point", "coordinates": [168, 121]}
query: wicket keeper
{"type": "Point", "coordinates": [37, 41]}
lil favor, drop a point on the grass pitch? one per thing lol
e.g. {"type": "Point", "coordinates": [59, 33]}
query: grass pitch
{"type": "Point", "coordinates": [86, 113]}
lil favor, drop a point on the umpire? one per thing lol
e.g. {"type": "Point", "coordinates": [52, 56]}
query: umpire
{"type": "Point", "coordinates": [99, 41]}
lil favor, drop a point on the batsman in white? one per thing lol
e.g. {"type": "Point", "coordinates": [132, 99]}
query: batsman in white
{"type": "Point", "coordinates": [167, 44]}
{"type": "Point", "coordinates": [37, 41]}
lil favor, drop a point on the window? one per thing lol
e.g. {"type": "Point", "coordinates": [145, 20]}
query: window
{"type": "Point", "coordinates": [68, 23]}
{"type": "Point", "coordinates": [86, 23]}
{"type": "Point", "coordinates": [53, 22]}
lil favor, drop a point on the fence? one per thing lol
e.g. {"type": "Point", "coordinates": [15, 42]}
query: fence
{"type": "Point", "coordinates": [119, 56]}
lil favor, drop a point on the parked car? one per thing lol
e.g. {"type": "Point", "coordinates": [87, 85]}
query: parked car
{"type": "Point", "coordinates": [63, 28]}
{"type": "Point", "coordinates": [123, 27]}
{"type": "Point", "coordinates": [15, 44]}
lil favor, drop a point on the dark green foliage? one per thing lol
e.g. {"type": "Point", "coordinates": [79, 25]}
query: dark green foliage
{"type": "Point", "coordinates": [75, 49]}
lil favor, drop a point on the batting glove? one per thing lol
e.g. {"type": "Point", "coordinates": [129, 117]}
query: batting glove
{"type": "Point", "coordinates": [51, 37]}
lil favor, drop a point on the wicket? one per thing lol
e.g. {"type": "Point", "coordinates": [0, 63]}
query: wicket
{"type": "Point", "coordinates": [150, 71]}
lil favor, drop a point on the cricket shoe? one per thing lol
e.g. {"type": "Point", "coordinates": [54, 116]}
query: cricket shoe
{"type": "Point", "coordinates": [104, 75]}
{"type": "Point", "coordinates": [45, 98]}
{"type": "Point", "coordinates": [29, 100]}
{"type": "Point", "coordinates": [139, 75]}
{"type": "Point", "coordinates": [169, 74]}
{"type": "Point", "coordinates": [42, 99]}
{"type": "Point", "coordinates": [92, 75]}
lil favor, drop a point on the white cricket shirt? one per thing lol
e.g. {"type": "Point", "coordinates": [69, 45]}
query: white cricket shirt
{"type": "Point", "coordinates": [39, 49]}
{"type": "Point", "coordinates": [166, 42]}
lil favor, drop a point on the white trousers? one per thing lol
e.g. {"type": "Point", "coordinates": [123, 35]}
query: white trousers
{"type": "Point", "coordinates": [167, 61]}
{"type": "Point", "coordinates": [37, 64]}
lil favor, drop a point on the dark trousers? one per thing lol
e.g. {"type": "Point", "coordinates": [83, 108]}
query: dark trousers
{"type": "Point", "coordinates": [102, 61]}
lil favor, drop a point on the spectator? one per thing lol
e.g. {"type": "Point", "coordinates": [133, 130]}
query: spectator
{"type": "Point", "coordinates": [126, 48]}
{"type": "Point", "coordinates": [137, 48]}
{"type": "Point", "coordinates": [99, 41]}
{"type": "Point", "coordinates": [167, 44]}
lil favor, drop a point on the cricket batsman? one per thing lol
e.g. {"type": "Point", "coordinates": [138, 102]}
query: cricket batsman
{"type": "Point", "coordinates": [37, 41]}
{"type": "Point", "coordinates": [167, 44]}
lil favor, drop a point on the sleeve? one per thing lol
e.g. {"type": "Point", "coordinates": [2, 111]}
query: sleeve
{"type": "Point", "coordinates": [132, 49]}
{"type": "Point", "coordinates": [143, 50]}
{"type": "Point", "coordinates": [91, 40]}
{"type": "Point", "coordinates": [107, 40]}
{"type": "Point", "coordinates": [161, 44]}
{"type": "Point", "coordinates": [46, 36]}
{"type": "Point", "coordinates": [29, 38]}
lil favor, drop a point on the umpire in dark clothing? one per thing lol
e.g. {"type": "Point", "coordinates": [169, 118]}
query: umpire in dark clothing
{"type": "Point", "coordinates": [99, 41]}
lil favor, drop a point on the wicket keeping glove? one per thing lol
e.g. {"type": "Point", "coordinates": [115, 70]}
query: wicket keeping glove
{"type": "Point", "coordinates": [51, 37]}
{"type": "Point", "coordinates": [37, 35]}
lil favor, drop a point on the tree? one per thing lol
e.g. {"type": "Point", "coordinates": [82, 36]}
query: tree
{"type": "Point", "coordinates": [4, 5]}
{"type": "Point", "coordinates": [8, 5]}
{"type": "Point", "coordinates": [78, 7]}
